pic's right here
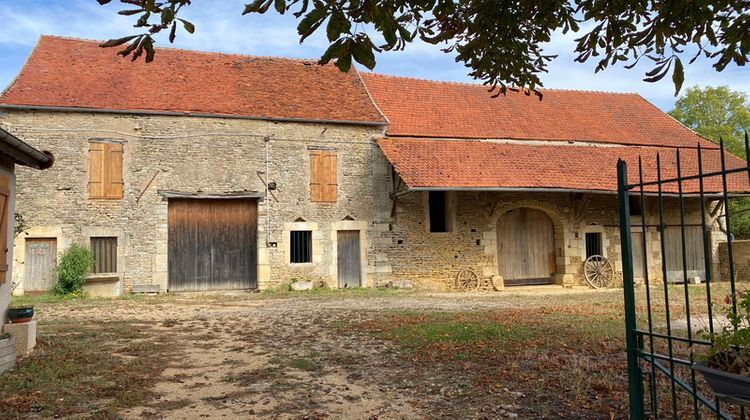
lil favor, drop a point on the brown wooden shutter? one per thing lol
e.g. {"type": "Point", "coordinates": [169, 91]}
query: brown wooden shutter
{"type": "Point", "coordinates": [113, 179]}
{"type": "Point", "coordinates": [330, 185]}
{"type": "Point", "coordinates": [316, 169]}
{"type": "Point", "coordinates": [105, 170]}
{"type": "Point", "coordinates": [4, 201]}
{"type": "Point", "coordinates": [323, 185]}
{"type": "Point", "coordinates": [96, 174]}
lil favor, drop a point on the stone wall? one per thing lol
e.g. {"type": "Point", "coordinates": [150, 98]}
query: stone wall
{"type": "Point", "coordinates": [208, 155]}
{"type": "Point", "coordinates": [740, 257]}
{"type": "Point", "coordinates": [432, 260]}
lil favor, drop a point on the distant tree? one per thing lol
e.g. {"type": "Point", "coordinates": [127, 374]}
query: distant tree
{"type": "Point", "coordinates": [500, 41]}
{"type": "Point", "coordinates": [714, 113]}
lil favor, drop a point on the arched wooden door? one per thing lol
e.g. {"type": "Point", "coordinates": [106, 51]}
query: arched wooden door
{"type": "Point", "coordinates": [526, 247]}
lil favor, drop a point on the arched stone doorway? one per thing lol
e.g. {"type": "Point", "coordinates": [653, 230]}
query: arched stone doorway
{"type": "Point", "coordinates": [526, 247]}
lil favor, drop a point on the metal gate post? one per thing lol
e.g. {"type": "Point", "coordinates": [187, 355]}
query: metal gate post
{"type": "Point", "coordinates": [635, 383]}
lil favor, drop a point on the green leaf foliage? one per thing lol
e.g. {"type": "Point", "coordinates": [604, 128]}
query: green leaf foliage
{"type": "Point", "coordinates": [502, 42]}
{"type": "Point", "coordinates": [720, 113]}
{"type": "Point", "coordinates": [72, 269]}
{"type": "Point", "coordinates": [730, 351]}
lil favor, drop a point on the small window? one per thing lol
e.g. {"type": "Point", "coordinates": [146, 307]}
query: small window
{"type": "Point", "coordinates": [301, 246]}
{"type": "Point", "coordinates": [104, 251]}
{"type": "Point", "coordinates": [441, 219]}
{"type": "Point", "coordinates": [634, 202]}
{"type": "Point", "coordinates": [593, 244]}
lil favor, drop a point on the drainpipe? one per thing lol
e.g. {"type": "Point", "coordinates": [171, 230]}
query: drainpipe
{"type": "Point", "coordinates": [266, 141]}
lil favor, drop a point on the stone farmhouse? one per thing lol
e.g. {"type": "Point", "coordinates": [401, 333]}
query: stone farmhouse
{"type": "Point", "coordinates": [207, 171]}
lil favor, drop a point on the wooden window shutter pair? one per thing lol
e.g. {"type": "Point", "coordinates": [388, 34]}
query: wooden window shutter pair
{"type": "Point", "coordinates": [105, 170]}
{"type": "Point", "coordinates": [323, 185]}
{"type": "Point", "coordinates": [4, 201]}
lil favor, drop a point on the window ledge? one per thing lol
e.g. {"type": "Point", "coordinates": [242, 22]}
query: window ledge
{"type": "Point", "coordinates": [103, 278]}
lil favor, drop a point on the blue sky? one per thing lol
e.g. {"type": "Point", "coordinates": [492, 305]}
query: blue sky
{"type": "Point", "coordinates": [221, 27]}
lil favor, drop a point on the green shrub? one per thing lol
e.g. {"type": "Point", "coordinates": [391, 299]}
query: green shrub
{"type": "Point", "coordinates": [730, 350]}
{"type": "Point", "coordinates": [74, 264]}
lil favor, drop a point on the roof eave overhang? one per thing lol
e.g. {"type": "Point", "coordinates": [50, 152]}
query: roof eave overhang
{"type": "Point", "coordinates": [559, 190]}
{"type": "Point", "coordinates": [187, 114]}
{"type": "Point", "coordinates": [23, 153]}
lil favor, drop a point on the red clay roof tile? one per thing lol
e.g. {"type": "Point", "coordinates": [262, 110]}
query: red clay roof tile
{"type": "Point", "coordinates": [64, 72]}
{"type": "Point", "coordinates": [424, 108]}
{"type": "Point", "coordinates": [453, 164]}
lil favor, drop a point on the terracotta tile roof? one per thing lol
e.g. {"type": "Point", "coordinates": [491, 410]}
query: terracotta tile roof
{"type": "Point", "coordinates": [452, 164]}
{"type": "Point", "coordinates": [424, 108]}
{"type": "Point", "coordinates": [75, 73]}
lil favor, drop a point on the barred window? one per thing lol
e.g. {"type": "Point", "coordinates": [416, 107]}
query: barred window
{"type": "Point", "coordinates": [301, 246]}
{"type": "Point", "coordinates": [104, 250]}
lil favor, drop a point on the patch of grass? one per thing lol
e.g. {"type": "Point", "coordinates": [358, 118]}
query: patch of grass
{"type": "Point", "coordinates": [306, 364]}
{"type": "Point", "coordinates": [74, 372]}
{"type": "Point", "coordinates": [43, 298]}
{"type": "Point", "coordinates": [567, 360]}
{"type": "Point", "coordinates": [433, 329]}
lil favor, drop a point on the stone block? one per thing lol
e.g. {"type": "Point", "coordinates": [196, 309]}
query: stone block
{"type": "Point", "coordinates": [383, 269]}
{"type": "Point", "coordinates": [7, 354]}
{"type": "Point", "coordinates": [25, 336]}
{"type": "Point", "coordinates": [298, 286]}
{"type": "Point", "coordinates": [102, 286]}
{"type": "Point", "coordinates": [400, 284]}
{"type": "Point", "coordinates": [498, 283]}
{"type": "Point", "coordinates": [146, 288]}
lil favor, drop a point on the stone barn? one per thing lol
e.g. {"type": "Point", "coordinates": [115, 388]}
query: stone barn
{"type": "Point", "coordinates": [207, 171]}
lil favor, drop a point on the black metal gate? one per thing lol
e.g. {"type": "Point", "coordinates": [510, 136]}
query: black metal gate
{"type": "Point", "coordinates": [667, 318]}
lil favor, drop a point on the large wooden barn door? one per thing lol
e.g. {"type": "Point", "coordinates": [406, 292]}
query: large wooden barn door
{"type": "Point", "coordinates": [40, 262]}
{"type": "Point", "coordinates": [526, 247]}
{"type": "Point", "coordinates": [212, 244]}
{"type": "Point", "coordinates": [349, 259]}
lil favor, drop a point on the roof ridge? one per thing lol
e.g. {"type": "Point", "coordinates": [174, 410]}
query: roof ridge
{"type": "Point", "coordinates": [207, 83]}
{"type": "Point", "coordinates": [451, 82]}
{"type": "Point", "coordinates": [544, 142]}
{"type": "Point", "coordinates": [171, 48]}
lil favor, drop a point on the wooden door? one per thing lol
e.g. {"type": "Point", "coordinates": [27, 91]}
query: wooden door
{"type": "Point", "coordinates": [349, 259]}
{"type": "Point", "coordinates": [693, 253]}
{"type": "Point", "coordinates": [212, 244]}
{"type": "Point", "coordinates": [638, 256]}
{"type": "Point", "coordinates": [526, 247]}
{"type": "Point", "coordinates": [40, 263]}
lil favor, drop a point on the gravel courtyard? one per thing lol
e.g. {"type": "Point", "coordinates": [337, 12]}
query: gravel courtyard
{"type": "Point", "coordinates": [533, 352]}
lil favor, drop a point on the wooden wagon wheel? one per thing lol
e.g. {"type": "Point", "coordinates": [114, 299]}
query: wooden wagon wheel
{"type": "Point", "coordinates": [598, 271]}
{"type": "Point", "coordinates": [467, 280]}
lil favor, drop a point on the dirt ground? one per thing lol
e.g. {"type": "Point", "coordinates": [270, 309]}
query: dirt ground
{"type": "Point", "coordinates": [335, 355]}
